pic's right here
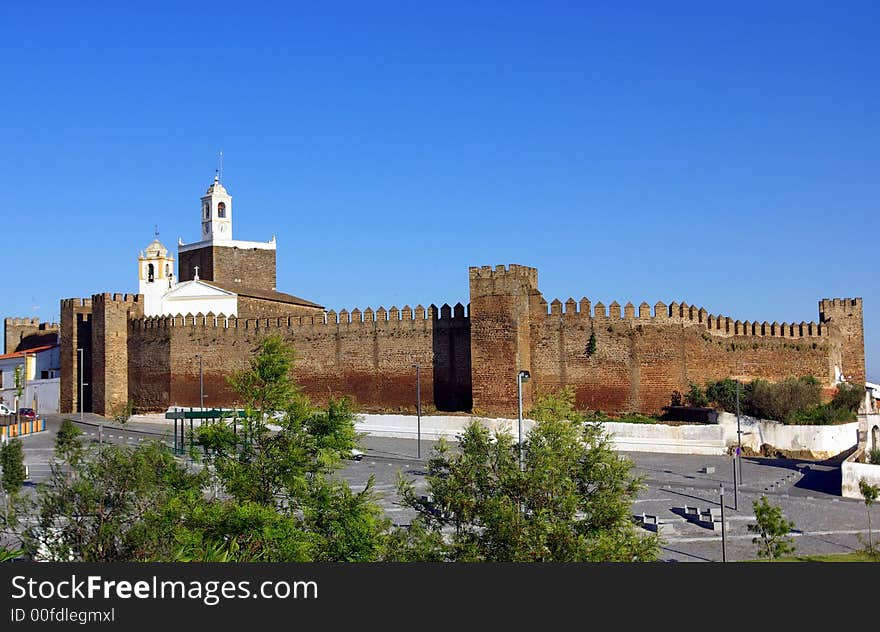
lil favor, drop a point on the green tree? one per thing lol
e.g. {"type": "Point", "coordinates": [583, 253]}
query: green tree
{"type": "Point", "coordinates": [12, 462]}
{"type": "Point", "coordinates": [571, 502]}
{"type": "Point", "coordinates": [267, 386]}
{"type": "Point", "coordinates": [773, 530]}
{"type": "Point", "coordinates": [268, 491]}
{"type": "Point", "coordinates": [869, 494]}
{"type": "Point", "coordinates": [97, 508]}
{"type": "Point", "coordinates": [68, 445]}
{"type": "Point", "coordinates": [558, 405]}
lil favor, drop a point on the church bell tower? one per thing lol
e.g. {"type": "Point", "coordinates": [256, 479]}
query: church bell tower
{"type": "Point", "coordinates": [155, 275]}
{"type": "Point", "coordinates": [216, 213]}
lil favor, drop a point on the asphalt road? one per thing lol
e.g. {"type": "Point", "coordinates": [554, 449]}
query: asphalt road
{"type": "Point", "coordinates": [807, 491]}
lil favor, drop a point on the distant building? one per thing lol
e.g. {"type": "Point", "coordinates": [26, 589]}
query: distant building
{"type": "Point", "coordinates": [39, 369]}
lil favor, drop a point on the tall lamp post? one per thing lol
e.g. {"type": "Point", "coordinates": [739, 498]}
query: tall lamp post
{"type": "Point", "coordinates": [81, 383]}
{"type": "Point", "coordinates": [417, 367]}
{"type": "Point", "coordinates": [201, 384]}
{"type": "Point", "coordinates": [522, 376]}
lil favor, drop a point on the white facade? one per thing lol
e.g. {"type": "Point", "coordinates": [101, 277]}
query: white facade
{"type": "Point", "coordinates": [196, 297]}
{"type": "Point", "coordinates": [164, 297]}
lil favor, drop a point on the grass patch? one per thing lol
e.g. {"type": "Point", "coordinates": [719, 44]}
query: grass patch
{"type": "Point", "coordinates": [857, 556]}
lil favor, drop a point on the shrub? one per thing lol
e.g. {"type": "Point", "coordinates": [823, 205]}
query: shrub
{"type": "Point", "coordinates": [782, 400]}
{"type": "Point", "coordinates": [874, 456]}
{"type": "Point", "coordinates": [723, 394]}
{"type": "Point", "coordinates": [822, 415]}
{"type": "Point", "coordinates": [848, 397]}
{"type": "Point", "coordinates": [695, 396]}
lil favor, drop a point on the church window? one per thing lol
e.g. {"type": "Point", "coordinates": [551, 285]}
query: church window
{"type": "Point", "coordinates": [221, 210]}
{"type": "Point", "coordinates": [167, 269]}
{"type": "Point", "coordinates": [150, 273]}
{"type": "Point", "coordinates": [206, 209]}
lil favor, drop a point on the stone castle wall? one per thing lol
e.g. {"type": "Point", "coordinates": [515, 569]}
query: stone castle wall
{"type": "Point", "coordinates": [368, 356]}
{"type": "Point", "coordinates": [469, 360]}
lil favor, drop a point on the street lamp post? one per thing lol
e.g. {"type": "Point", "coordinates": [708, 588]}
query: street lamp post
{"type": "Point", "coordinates": [418, 410]}
{"type": "Point", "coordinates": [201, 385]}
{"type": "Point", "coordinates": [522, 376]}
{"type": "Point", "coordinates": [723, 530]}
{"type": "Point", "coordinates": [738, 470]}
{"type": "Point", "coordinates": [81, 383]}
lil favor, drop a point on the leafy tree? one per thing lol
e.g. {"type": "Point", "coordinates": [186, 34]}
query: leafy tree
{"type": "Point", "coordinates": [267, 491]}
{"type": "Point", "coordinates": [772, 529]}
{"type": "Point", "coordinates": [68, 445]}
{"type": "Point", "coordinates": [869, 493]}
{"type": "Point", "coordinates": [571, 503]}
{"type": "Point", "coordinates": [12, 462]}
{"type": "Point", "coordinates": [558, 405]}
{"type": "Point", "coordinates": [723, 394]}
{"type": "Point", "coordinates": [268, 386]}
{"type": "Point", "coordinates": [94, 509]}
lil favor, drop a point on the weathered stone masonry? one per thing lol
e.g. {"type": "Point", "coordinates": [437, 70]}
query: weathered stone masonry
{"type": "Point", "coordinates": [469, 359]}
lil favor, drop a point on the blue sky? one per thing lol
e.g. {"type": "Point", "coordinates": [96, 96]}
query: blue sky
{"type": "Point", "coordinates": [724, 154]}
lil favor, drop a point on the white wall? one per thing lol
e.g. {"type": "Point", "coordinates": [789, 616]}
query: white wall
{"type": "Point", "coordinates": [821, 441]}
{"type": "Point", "coordinates": [40, 394]}
{"type": "Point", "coordinates": [852, 473]}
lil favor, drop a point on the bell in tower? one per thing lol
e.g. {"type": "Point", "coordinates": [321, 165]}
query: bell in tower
{"type": "Point", "coordinates": [155, 274]}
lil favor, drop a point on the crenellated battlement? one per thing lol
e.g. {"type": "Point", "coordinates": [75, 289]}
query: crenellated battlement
{"type": "Point", "coordinates": [425, 317]}
{"type": "Point", "coordinates": [501, 272]}
{"type": "Point", "coordinates": [675, 312]}
{"type": "Point", "coordinates": [107, 297]}
{"type": "Point", "coordinates": [29, 322]}
{"type": "Point", "coordinates": [840, 307]}
{"type": "Point", "coordinates": [76, 302]}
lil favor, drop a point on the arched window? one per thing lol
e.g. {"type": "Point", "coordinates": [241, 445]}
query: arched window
{"type": "Point", "coordinates": [221, 209]}
{"type": "Point", "coordinates": [167, 269]}
{"type": "Point", "coordinates": [875, 438]}
{"type": "Point", "coordinates": [150, 273]}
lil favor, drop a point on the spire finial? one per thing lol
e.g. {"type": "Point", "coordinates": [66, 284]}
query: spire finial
{"type": "Point", "coordinates": [220, 171]}
{"type": "Point", "coordinates": [156, 231]}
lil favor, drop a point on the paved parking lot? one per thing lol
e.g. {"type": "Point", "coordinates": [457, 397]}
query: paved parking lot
{"type": "Point", "coordinates": [807, 491]}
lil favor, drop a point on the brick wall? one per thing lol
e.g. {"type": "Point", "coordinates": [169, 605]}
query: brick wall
{"type": "Point", "coordinates": [252, 267]}
{"type": "Point", "coordinates": [365, 355]}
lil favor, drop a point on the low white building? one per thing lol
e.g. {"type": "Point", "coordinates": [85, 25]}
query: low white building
{"type": "Point", "coordinates": [39, 373]}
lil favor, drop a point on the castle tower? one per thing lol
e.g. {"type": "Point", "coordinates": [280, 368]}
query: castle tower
{"type": "Point", "coordinates": [216, 213]}
{"type": "Point", "coordinates": [500, 343]}
{"type": "Point", "coordinates": [845, 322]}
{"type": "Point", "coordinates": [155, 275]}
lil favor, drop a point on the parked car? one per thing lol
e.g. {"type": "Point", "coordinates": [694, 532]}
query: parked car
{"type": "Point", "coordinates": [6, 410]}
{"type": "Point", "coordinates": [27, 413]}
